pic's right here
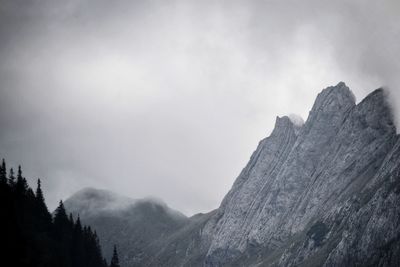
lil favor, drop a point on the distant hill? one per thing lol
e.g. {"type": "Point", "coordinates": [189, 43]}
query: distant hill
{"type": "Point", "coordinates": [134, 225]}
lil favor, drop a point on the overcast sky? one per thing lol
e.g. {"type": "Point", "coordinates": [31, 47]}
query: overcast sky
{"type": "Point", "coordinates": [170, 98]}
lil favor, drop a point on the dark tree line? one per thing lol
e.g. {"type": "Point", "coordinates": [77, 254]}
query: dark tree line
{"type": "Point", "coordinates": [31, 236]}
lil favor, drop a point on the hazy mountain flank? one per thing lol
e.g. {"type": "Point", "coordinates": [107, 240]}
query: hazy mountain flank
{"type": "Point", "coordinates": [325, 193]}
{"type": "Point", "coordinates": [134, 225]}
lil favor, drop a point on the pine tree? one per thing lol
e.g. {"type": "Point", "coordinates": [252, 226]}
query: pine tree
{"type": "Point", "coordinates": [60, 217]}
{"type": "Point", "coordinates": [3, 173]}
{"type": "Point", "coordinates": [62, 225]}
{"type": "Point", "coordinates": [11, 179]}
{"type": "Point", "coordinates": [71, 219]}
{"type": "Point", "coordinates": [43, 214]}
{"type": "Point", "coordinates": [114, 259]}
{"type": "Point", "coordinates": [21, 185]}
{"type": "Point", "coordinates": [63, 235]}
{"type": "Point", "coordinates": [78, 227]}
{"type": "Point", "coordinates": [19, 175]}
{"type": "Point", "coordinates": [39, 193]}
{"type": "Point", "coordinates": [78, 249]}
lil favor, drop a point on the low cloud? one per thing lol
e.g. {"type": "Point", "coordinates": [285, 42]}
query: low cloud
{"type": "Point", "coordinates": [169, 98]}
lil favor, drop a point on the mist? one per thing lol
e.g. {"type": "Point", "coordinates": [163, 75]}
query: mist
{"type": "Point", "coordinates": [170, 98]}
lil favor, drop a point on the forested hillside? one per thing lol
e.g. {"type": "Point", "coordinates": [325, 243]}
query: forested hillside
{"type": "Point", "coordinates": [31, 236]}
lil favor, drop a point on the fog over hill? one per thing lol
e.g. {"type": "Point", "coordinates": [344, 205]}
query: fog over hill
{"type": "Point", "coordinates": [134, 225]}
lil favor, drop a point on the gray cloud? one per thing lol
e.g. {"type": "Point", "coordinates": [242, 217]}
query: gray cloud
{"type": "Point", "coordinates": [169, 98]}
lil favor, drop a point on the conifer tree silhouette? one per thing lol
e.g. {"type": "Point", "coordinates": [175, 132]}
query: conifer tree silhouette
{"type": "Point", "coordinates": [114, 259]}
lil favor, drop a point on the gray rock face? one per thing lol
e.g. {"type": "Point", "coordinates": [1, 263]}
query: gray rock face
{"type": "Point", "coordinates": [325, 193]}
{"type": "Point", "coordinates": [306, 191]}
{"type": "Point", "coordinates": [276, 177]}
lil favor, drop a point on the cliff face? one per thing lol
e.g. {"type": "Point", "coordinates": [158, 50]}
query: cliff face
{"type": "Point", "coordinates": [325, 193]}
{"type": "Point", "coordinates": [304, 194]}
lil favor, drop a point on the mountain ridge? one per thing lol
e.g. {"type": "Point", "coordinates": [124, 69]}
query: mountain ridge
{"type": "Point", "coordinates": [305, 195]}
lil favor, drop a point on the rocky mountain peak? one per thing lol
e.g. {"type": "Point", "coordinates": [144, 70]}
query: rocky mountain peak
{"type": "Point", "coordinates": [293, 177]}
{"type": "Point", "coordinates": [336, 98]}
{"type": "Point", "coordinates": [282, 125]}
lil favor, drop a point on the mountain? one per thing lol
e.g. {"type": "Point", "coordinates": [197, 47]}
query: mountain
{"type": "Point", "coordinates": [322, 193]}
{"type": "Point", "coordinates": [131, 224]}
{"type": "Point", "coordinates": [304, 192]}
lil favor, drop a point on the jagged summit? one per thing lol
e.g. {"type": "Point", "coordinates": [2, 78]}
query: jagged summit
{"type": "Point", "coordinates": [286, 121]}
{"type": "Point", "coordinates": [337, 98]}
{"type": "Point", "coordinates": [283, 124]}
{"type": "Point", "coordinates": [341, 89]}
